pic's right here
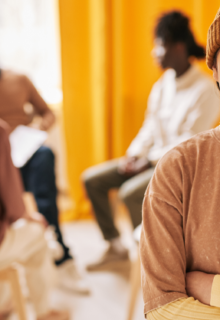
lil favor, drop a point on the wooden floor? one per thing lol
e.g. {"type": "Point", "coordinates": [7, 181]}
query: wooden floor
{"type": "Point", "coordinates": [110, 288]}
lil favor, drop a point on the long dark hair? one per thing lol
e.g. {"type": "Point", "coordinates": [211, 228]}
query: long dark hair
{"type": "Point", "coordinates": [174, 27]}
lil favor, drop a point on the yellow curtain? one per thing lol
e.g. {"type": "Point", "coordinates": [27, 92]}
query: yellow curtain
{"type": "Point", "coordinates": [108, 72]}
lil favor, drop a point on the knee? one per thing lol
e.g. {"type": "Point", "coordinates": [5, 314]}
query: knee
{"type": "Point", "coordinates": [38, 245]}
{"type": "Point", "coordinates": [126, 192]}
{"type": "Point", "coordinates": [37, 232]}
{"type": "Point", "coordinates": [91, 179]}
{"type": "Point", "coordinates": [88, 179]}
{"type": "Point", "coordinates": [45, 155]}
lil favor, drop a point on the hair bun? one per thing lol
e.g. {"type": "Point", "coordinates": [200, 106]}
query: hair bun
{"type": "Point", "coordinates": [174, 26]}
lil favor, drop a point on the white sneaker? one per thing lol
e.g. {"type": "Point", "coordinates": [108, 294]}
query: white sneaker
{"type": "Point", "coordinates": [111, 255]}
{"type": "Point", "coordinates": [71, 279]}
{"type": "Point", "coordinates": [54, 246]}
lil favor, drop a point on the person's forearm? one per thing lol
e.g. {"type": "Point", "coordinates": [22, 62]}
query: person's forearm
{"type": "Point", "coordinates": [44, 122]}
{"type": "Point", "coordinates": [199, 286]}
{"type": "Point", "coordinates": [47, 121]}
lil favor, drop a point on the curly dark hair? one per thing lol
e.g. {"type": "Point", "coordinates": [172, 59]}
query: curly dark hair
{"type": "Point", "coordinates": [174, 27]}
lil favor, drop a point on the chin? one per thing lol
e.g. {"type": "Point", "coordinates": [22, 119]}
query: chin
{"type": "Point", "coordinates": [163, 66]}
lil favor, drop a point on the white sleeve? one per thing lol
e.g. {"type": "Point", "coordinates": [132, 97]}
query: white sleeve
{"type": "Point", "coordinates": [145, 138]}
{"type": "Point", "coordinates": [202, 116]}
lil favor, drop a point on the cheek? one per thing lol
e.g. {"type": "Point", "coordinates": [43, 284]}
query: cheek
{"type": "Point", "coordinates": [168, 59]}
{"type": "Point", "coordinates": [218, 73]}
{"type": "Point", "coordinates": [215, 74]}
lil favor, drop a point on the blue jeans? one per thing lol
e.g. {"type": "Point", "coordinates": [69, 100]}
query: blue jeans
{"type": "Point", "coordinates": [39, 178]}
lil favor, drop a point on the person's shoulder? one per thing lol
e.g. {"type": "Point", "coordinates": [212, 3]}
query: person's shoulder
{"type": "Point", "coordinates": [4, 129]}
{"type": "Point", "coordinates": [165, 79]}
{"type": "Point", "coordinates": [189, 151]}
{"type": "Point", "coordinates": [168, 75]}
{"type": "Point", "coordinates": [158, 86]}
{"type": "Point", "coordinates": [180, 163]}
{"type": "Point", "coordinates": [204, 78]}
{"type": "Point", "coordinates": [206, 88]}
{"type": "Point", "coordinates": [8, 73]}
{"type": "Point", "coordinates": [11, 75]}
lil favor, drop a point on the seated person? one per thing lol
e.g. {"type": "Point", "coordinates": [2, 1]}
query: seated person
{"type": "Point", "coordinates": [180, 239]}
{"type": "Point", "coordinates": [38, 175]}
{"type": "Point", "coordinates": [26, 243]}
{"type": "Point", "coordinates": [182, 103]}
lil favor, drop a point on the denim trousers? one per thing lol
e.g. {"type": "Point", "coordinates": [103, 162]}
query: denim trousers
{"type": "Point", "coordinates": [39, 178]}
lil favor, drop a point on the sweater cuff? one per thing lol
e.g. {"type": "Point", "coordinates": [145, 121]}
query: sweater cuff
{"type": "Point", "coordinates": [215, 293]}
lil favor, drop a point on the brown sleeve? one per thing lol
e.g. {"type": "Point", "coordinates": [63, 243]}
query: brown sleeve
{"type": "Point", "coordinates": [12, 206]}
{"type": "Point", "coordinates": [162, 247]}
{"type": "Point", "coordinates": [35, 98]}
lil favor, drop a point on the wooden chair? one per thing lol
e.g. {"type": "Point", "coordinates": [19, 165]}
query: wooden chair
{"type": "Point", "coordinates": [11, 275]}
{"type": "Point", "coordinates": [135, 279]}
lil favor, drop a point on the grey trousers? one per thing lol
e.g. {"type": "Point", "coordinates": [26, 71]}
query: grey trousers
{"type": "Point", "coordinates": [98, 180]}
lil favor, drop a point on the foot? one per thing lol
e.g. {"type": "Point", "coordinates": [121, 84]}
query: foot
{"type": "Point", "coordinates": [56, 250]}
{"type": "Point", "coordinates": [111, 255]}
{"type": "Point", "coordinates": [71, 279]}
{"type": "Point", "coordinates": [55, 315]}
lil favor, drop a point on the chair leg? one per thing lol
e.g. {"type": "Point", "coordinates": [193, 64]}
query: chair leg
{"type": "Point", "coordinates": [135, 287]}
{"type": "Point", "coordinates": [17, 293]}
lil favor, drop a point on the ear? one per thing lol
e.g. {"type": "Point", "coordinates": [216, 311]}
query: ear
{"type": "Point", "coordinates": [215, 74]}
